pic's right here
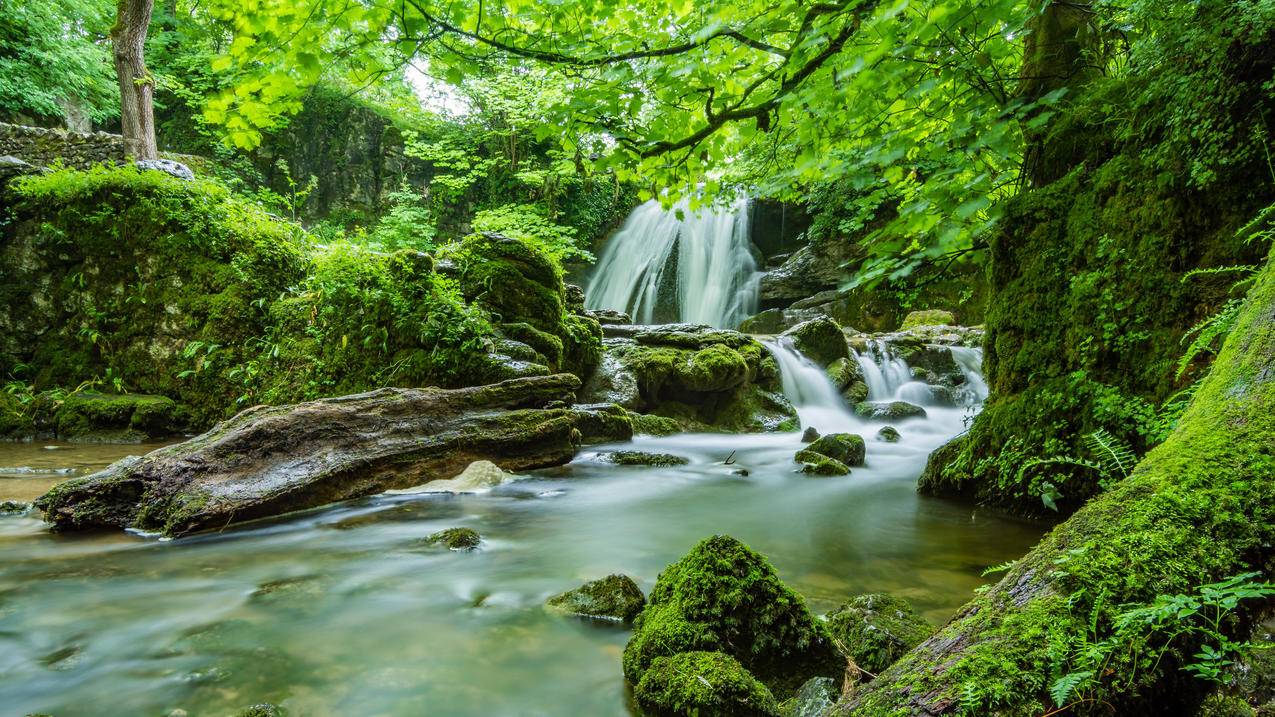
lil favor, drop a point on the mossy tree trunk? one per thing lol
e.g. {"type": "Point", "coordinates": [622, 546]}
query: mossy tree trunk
{"type": "Point", "coordinates": [1197, 509]}
{"type": "Point", "coordinates": [137, 87]}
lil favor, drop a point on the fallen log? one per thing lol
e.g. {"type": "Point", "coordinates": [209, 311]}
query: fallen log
{"type": "Point", "coordinates": [1196, 509]}
{"type": "Point", "coordinates": [271, 460]}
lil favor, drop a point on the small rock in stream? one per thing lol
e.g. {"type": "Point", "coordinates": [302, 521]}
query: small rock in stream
{"type": "Point", "coordinates": [809, 435]}
{"type": "Point", "coordinates": [455, 539]}
{"type": "Point", "coordinates": [889, 434]}
{"type": "Point", "coordinates": [615, 597]}
{"type": "Point", "coordinates": [890, 410]}
{"type": "Point", "coordinates": [643, 458]}
{"type": "Point", "coordinates": [13, 507]}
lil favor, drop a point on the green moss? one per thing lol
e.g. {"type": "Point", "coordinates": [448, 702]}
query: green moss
{"type": "Point", "coordinates": [702, 684]}
{"type": "Point", "coordinates": [723, 596]}
{"type": "Point", "coordinates": [642, 458]}
{"type": "Point", "coordinates": [455, 539]}
{"type": "Point", "coordinates": [845, 447]}
{"type": "Point", "coordinates": [877, 629]}
{"type": "Point", "coordinates": [92, 416]}
{"type": "Point", "coordinates": [515, 280]}
{"type": "Point", "coordinates": [614, 597]}
{"type": "Point", "coordinates": [262, 710]}
{"type": "Point", "coordinates": [713, 369]}
{"type": "Point", "coordinates": [929, 317]}
{"type": "Point", "coordinates": [821, 340]}
{"type": "Point", "coordinates": [649, 425]}
{"type": "Point", "coordinates": [818, 464]}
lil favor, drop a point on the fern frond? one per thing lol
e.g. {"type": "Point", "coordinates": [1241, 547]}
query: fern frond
{"type": "Point", "coordinates": [1116, 456]}
{"type": "Point", "coordinates": [998, 568]}
{"type": "Point", "coordinates": [1215, 270]}
{"type": "Point", "coordinates": [1066, 685]}
{"type": "Point", "coordinates": [1208, 333]}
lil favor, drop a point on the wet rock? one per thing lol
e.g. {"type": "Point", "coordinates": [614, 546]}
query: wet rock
{"type": "Point", "coordinates": [820, 339]}
{"type": "Point", "coordinates": [643, 458]}
{"type": "Point", "coordinates": [814, 699]}
{"type": "Point", "coordinates": [648, 425]}
{"type": "Point", "coordinates": [602, 423]}
{"type": "Point", "coordinates": [809, 435]}
{"type": "Point", "coordinates": [271, 460]}
{"type": "Point", "coordinates": [612, 382]}
{"type": "Point", "coordinates": [818, 464]}
{"type": "Point", "coordinates": [615, 597]}
{"type": "Point", "coordinates": [932, 364]}
{"type": "Point", "coordinates": [930, 317]}
{"type": "Point", "coordinates": [932, 481]}
{"type": "Point", "coordinates": [888, 410]}
{"type": "Point", "coordinates": [608, 317]}
{"type": "Point", "coordinates": [262, 710]}
{"type": "Point", "coordinates": [889, 434]}
{"type": "Point", "coordinates": [724, 597]}
{"type": "Point", "coordinates": [455, 539]}
{"type": "Point", "coordinates": [167, 166]}
{"type": "Point", "coordinates": [13, 507]}
{"type": "Point", "coordinates": [93, 417]}
{"type": "Point", "coordinates": [775, 321]}
{"type": "Point", "coordinates": [740, 472]}
{"type": "Point", "coordinates": [877, 629]}
{"type": "Point", "coordinates": [479, 475]}
{"type": "Point", "coordinates": [574, 298]}
{"type": "Point", "coordinates": [844, 447]}
{"type": "Point", "coordinates": [845, 372]}
{"type": "Point", "coordinates": [702, 684]}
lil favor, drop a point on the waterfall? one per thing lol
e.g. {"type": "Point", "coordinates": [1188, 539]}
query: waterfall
{"type": "Point", "coordinates": [697, 269]}
{"type": "Point", "coordinates": [970, 361]}
{"type": "Point", "coordinates": [809, 389]}
{"type": "Point", "coordinates": [884, 372]}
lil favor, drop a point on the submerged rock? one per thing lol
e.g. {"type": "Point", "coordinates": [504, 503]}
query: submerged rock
{"type": "Point", "coordinates": [888, 410]}
{"type": "Point", "coordinates": [615, 597]}
{"type": "Point", "coordinates": [930, 317]}
{"type": "Point", "coordinates": [877, 629]}
{"type": "Point", "coordinates": [13, 507]}
{"type": "Point", "coordinates": [479, 475]}
{"type": "Point", "coordinates": [643, 458]}
{"type": "Point", "coordinates": [702, 684]}
{"type": "Point", "coordinates": [724, 597]}
{"type": "Point", "coordinates": [456, 539]}
{"type": "Point", "coordinates": [272, 460]}
{"type": "Point", "coordinates": [818, 464]}
{"type": "Point", "coordinates": [820, 339]}
{"type": "Point", "coordinates": [845, 447]}
{"type": "Point", "coordinates": [889, 434]}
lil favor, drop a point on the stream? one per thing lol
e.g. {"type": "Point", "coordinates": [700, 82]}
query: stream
{"type": "Point", "coordinates": [340, 611]}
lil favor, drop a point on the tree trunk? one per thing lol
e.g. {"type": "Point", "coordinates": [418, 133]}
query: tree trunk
{"type": "Point", "coordinates": [1198, 508]}
{"type": "Point", "coordinates": [137, 87]}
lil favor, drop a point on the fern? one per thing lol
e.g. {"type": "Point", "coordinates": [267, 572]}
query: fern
{"type": "Point", "coordinates": [1115, 455]}
{"type": "Point", "coordinates": [1066, 686]}
{"type": "Point", "coordinates": [1208, 334]}
{"type": "Point", "coordinates": [998, 568]}
{"type": "Point", "coordinates": [1215, 270]}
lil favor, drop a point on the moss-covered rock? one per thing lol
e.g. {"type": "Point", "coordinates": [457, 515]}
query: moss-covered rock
{"type": "Point", "coordinates": [643, 458]}
{"type": "Point", "coordinates": [455, 539]}
{"type": "Point", "coordinates": [820, 339]}
{"type": "Point", "coordinates": [888, 410]}
{"type": "Point", "coordinates": [118, 418]}
{"type": "Point", "coordinates": [814, 699]}
{"type": "Point", "coordinates": [13, 507]}
{"type": "Point", "coordinates": [649, 425]}
{"type": "Point", "coordinates": [724, 597]}
{"type": "Point", "coordinates": [262, 710]}
{"type": "Point", "coordinates": [818, 464]}
{"type": "Point", "coordinates": [615, 597]}
{"type": "Point", "coordinates": [702, 684]}
{"type": "Point", "coordinates": [845, 447]}
{"type": "Point", "coordinates": [889, 434]}
{"type": "Point", "coordinates": [928, 317]}
{"type": "Point", "coordinates": [877, 629]}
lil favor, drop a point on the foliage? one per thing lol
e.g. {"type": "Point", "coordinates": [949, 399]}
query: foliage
{"type": "Point", "coordinates": [407, 225]}
{"type": "Point", "coordinates": [54, 52]}
{"type": "Point", "coordinates": [526, 222]}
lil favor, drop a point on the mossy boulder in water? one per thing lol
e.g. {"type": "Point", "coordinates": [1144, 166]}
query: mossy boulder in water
{"type": "Point", "coordinates": [817, 464]}
{"type": "Point", "coordinates": [877, 629]}
{"type": "Point", "coordinates": [653, 425]}
{"type": "Point", "coordinates": [262, 710]}
{"type": "Point", "coordinates": [847, 376]}
{"type": "Point", "coordinates": [889, 434]}
{"type": "Point", "coordinates": [13, 507]}
{"type": "Point", "coordinates": [724, 597]}
{"type": "Point", "coordinates": [118, 418]}
{"type": "Point", "coordinates": [615, 597]}
{"type": "Point", "coordinates": [929, 317]}
{"type": "Point", "coordinates": [845, 447]}
{"type": "Point", "coordinates": [455, 539]}
{"type": "Point", "coordinates": [702, 684]}
{"type": "Point", "coordinates": [820, 339]}
{"type": "Point", "coordinates": [888, 410]}
{"type": "Point", "coordinates": [643, 458]}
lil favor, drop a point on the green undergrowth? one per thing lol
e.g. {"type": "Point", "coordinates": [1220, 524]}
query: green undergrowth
{"type": "Point", "coordinates": [186, 290]}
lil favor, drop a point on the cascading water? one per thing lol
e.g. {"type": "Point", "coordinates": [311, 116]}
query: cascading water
{"type": "Point", "coordinates": [884, 373]}
{"type": "Point", "coordinates": [809, 390]}
{"type": "Point", "coordinates": [695, 269]}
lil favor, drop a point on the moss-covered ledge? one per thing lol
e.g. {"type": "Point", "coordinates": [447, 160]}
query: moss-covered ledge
{"type": "Point", "coordinates": [1198, 508]}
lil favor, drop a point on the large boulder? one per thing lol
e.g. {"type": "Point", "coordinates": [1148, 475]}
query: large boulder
{"type": "Point", "coordinates": [702, 684]}
{"type": "Point", "coordinates": [701, 378]}
{"type": "Point", "coordinates": [817, 464]}
{"type": "Point", "coordinates": [820, 339]}
{"type": "Point", "coordinates": [928, 317]}
{"type": "Point", "coordinates": [615, 597]}
{"type": "Point", "coordinates": [845, 447]}
{"type": "Point", "coordinates": [877, 629]}
{"type": "Point", "coordinates": [888, 410]}
{"type": "Point", "coordinates": [271, 460]}
{"type": "Point", "coordinates": [724, 597]}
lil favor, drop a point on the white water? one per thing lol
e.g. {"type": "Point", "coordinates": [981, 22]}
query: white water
{"type": "Point", "coordinates": [717, 277]}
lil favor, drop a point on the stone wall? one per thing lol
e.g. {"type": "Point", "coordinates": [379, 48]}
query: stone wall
{"type": "Point", "coordinates": [42, 147]}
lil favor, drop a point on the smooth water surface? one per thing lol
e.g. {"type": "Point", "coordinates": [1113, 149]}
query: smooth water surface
{"type": "Point", "coordinates": [28, 470]}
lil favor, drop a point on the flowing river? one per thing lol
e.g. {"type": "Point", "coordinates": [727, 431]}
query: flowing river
{"type": "Point", "coordinates": [339, 611]}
